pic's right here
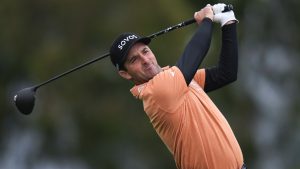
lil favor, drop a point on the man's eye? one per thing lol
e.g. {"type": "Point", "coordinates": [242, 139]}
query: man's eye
{"type": "Point", "coordinates": [146, 51]}
{"type": "Point", "coordinates": [132, 60]}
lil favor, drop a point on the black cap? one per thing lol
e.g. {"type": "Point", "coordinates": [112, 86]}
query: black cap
{"type": "Point", "coordinates": [121, 46]}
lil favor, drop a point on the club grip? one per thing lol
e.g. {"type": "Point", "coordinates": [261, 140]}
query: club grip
{"type": "Point", "coordinates": [227, 8]}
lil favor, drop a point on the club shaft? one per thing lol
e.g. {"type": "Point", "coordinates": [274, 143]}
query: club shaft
{"type": "Point", "coordinates": [72, 70]}
{"type": "Point", "coordinates": [171, 28]}
{"type": "Point", "coordinates": [185, 23]}
{"type": "Point", "coordinates": [227, 8]}
{"type": "Point", "coordinates": [180, 25]}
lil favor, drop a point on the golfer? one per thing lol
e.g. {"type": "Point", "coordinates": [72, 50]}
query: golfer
{"type": "Point", "coordinates": [175, 99]}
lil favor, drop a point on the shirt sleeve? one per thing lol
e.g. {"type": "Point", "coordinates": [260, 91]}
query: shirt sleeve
{"type": "Point", "coordinates": [200, 77]}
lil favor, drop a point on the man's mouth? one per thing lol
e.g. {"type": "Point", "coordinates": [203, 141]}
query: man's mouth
{"type": "Point", "coordinates": [149, 67]}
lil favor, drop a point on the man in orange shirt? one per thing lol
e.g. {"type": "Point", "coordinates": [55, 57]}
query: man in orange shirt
{"type": "Point", "coordinates": [175, 99]}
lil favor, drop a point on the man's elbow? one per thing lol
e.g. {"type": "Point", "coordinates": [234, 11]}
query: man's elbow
{"type": "Point", "coordinates": [231, 77]}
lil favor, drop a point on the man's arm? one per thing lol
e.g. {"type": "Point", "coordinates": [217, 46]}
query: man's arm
{"type": "Point", "coordinates": [226, 70]}
{"type": "Point", "coordinates": [198, 46]}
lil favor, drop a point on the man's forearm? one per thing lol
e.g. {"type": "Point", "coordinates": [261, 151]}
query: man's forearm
{"type": "Point", "coordinates": [195, 51]}
{"type": "Point", "coordinates": [226, 70]}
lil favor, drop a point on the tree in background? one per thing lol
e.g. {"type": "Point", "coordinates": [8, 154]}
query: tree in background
{"type": "Point", "coordinates": [90, 120]}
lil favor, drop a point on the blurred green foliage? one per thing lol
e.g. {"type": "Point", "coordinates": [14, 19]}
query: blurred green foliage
{"type": "Point", "coordinates": [90, 120]}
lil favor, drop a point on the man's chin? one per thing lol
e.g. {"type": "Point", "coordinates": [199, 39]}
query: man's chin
{"type": "Point", "coordinates": [152, 74]}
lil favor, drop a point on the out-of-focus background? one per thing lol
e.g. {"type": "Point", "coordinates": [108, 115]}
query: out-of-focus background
{"type": "Point", "coordinates": [89, 120]}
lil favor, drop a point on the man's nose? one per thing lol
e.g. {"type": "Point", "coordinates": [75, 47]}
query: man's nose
{"type": "Point", "coordinates": [145, 59]}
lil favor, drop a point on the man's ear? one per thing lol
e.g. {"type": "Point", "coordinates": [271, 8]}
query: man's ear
{"type": "Point", "coordinates": [125, 74]}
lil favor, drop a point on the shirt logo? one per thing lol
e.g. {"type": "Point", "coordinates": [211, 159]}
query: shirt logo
{"type": "Point", "coordinates": [172, 73]}
{"type": "Point", "coordinates": [125, 40]}
{"type": "Point", "coordinates": [140, 88]}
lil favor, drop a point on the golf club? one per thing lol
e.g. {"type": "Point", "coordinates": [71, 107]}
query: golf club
{"type": "Point", "coordinates": [25, 98]}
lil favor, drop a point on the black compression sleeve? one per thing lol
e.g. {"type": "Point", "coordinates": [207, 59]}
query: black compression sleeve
{"type": "Point", "coordinates": [226, 70]}
{"type": "Point", "coordinates": [195, 51]}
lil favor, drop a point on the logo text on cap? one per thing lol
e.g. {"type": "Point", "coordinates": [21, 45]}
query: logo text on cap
{"type": "Point", "coordinates": [125, 40]}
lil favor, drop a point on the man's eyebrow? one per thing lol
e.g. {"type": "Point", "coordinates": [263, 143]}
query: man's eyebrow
{"type": "Point", "coordinates": [130, 57]}
{"type": "Point", "coordinates": [146, 47]}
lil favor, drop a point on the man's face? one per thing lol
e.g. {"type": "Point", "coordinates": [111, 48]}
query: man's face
{"type": "Point", "coordinates": [141, 64]}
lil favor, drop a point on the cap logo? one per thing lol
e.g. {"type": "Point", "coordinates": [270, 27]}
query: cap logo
{"type": "Point", "coordinates": [125, 40]}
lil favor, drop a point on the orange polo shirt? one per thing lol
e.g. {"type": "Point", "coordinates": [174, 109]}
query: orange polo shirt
{"type": "Point", "coordinates": [188, 122]}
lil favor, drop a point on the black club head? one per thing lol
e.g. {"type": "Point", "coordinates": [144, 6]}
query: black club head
{"type": "Point", "coordinates": [25, 99]}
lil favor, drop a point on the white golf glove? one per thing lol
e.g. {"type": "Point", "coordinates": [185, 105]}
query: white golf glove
{"type": "Point", "coordinates": [220, 17]}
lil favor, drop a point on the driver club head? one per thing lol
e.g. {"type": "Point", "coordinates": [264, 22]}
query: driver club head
{"type": "Point", "coordinates": [24, 100]}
